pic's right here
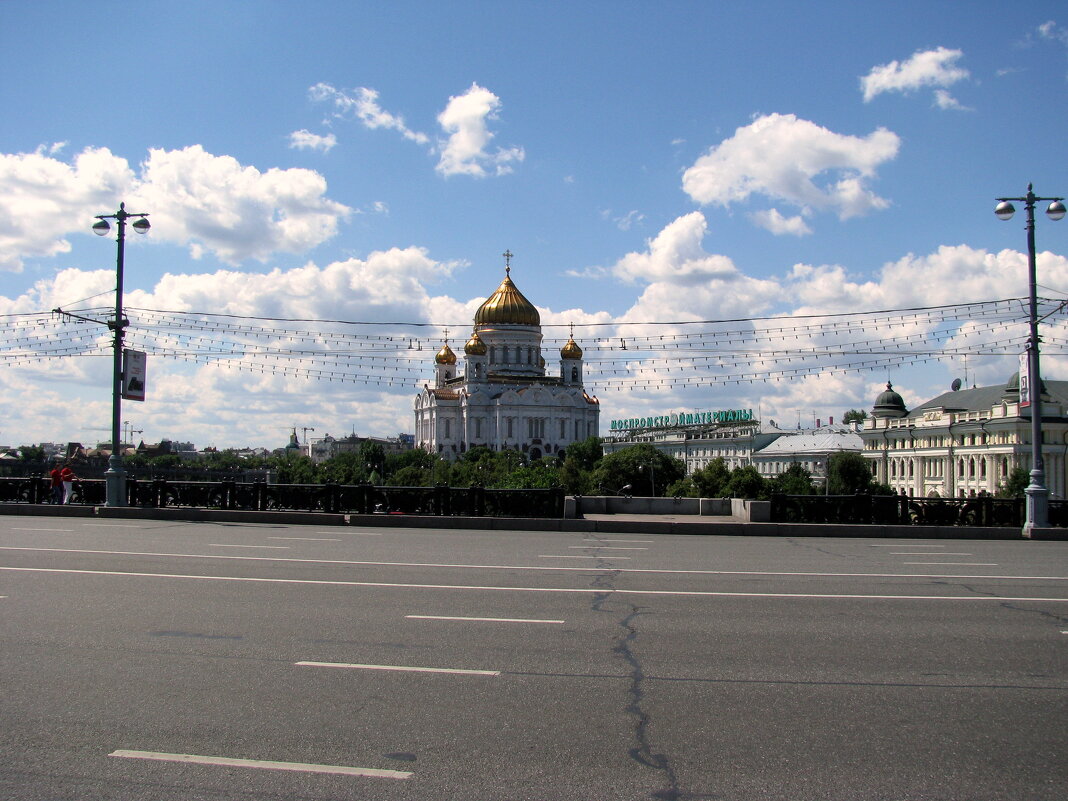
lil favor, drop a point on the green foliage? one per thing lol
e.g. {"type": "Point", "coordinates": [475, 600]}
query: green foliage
{"type": "Point", "coordinates": [294, 468]}
{"type": "Point", "coordinates": [795, 480]}
{"type": "Point", "coordinates": [849, 473]}
{"type": "Point", "coordinates": [31, 453]}
{"type": "Point", "coordinates": [586, 453]}
{"type": "Point", "coordinates": [1015, 484]}
{"type": "Point", "coordinates": [711, 480]}
{"type": "Point", "coordinates": [637, 465]}
{"type": "Point", "coordinates": [855, 416]}
{"type": "Point", "coordinates": [746, 482]}
{"type": "Point", "coordinates": [347, 467]}
{"type": "Point", "coordinates": [685, 488]}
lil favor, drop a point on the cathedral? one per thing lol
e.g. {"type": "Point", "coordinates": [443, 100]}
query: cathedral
{"type": "Point", "coordinates": [504, 399]}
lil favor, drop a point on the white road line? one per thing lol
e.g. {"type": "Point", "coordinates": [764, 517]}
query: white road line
{"type": "Point", "coordinates": [110, 525]}
{"type": "Point", "coordinates": [548, 590]}
{"type": "Point", "coordinates": [969, 564]}
{"type": "Point", "coordinates": [927, 553]}
{"type": "Point", "coordinates": [576, 556]}
{"type": "Point", "coordinates": [478, 619]}
{"type": "Point", "coordinates": [591, 540]}
{"type": "Point", "coordinates": [907, 545]}
{"type": "Point", "coordinates": [400, 668]}
{"type": "Point", "coordinates": [307, 539]}
{"type": "Point", "coordinates": [303, 767]}
{"type": "Point", "coordinates": [364, 533]}
{"type": "Point", "coordinates": [462, 566]}
{"type": "Point", "coordinates": [225, 545]}
{"type": "Point", "coordinates": [66, 530]}
{"type": "Point", "coordinates": [605, 548]}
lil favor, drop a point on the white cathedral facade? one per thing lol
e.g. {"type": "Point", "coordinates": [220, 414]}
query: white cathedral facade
{"type": "Point", "coordinates": [504, 399]}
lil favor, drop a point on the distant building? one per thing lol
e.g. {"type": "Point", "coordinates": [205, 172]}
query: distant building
{"type": "Point", "coordinates": [328, 447]}
{"type": "Point", "coordinates": [504, 399]}
{"type": "Point", "coordinates": [810, 449]}
{"type": "Point", "coordinates": [738, 438]}
{"type": "Point", "coordinates": [965, 442]}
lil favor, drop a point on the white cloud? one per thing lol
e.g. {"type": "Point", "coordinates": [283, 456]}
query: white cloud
{"type": "Point", "coordinates": [232, 209]}
{"type": "Point", "coordinates": [465, 152]}
{"type": "Point", "coordinates": [936, 67]}
{"type": "Point", "coordinates": [684, 281]}
{"type": "Point", "coordinates": [362, 103]}
{"type": "Point", "coordinates": [1051, 30]}
{"type": "Point", "coordinates": [306, 140]}
{"type": "Point", "coordinates": [195, 198]}
{"type": "Point", "coordinates": [43, 199]}
{"type": "Point", "coordinates": [945, 101]}
{"type": "Point", "coordinates": [781, 156]}
{"type": "Point", "coordinates": [773, 221]}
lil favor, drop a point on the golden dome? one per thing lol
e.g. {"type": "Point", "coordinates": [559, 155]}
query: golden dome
{"type": "Point", "coordinates": [475, 346]}
{"type": "Point", "coordinates": [571, 350]}
{"type": "Point", "coordinates": [445, 355]}
{"type": "Point", "coordinates": [507, 306]}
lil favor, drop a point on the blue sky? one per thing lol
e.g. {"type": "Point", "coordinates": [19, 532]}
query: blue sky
{"type": "Point", "coordinates": [670, 162]}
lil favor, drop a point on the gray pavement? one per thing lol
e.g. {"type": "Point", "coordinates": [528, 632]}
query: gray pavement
{"type": "Point", "coordinates": [138, 655]}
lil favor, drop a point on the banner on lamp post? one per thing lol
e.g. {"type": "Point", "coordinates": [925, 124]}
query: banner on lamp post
{"type": "Point", "coordinates": [133, 374]}
{"type": "Point", "coordinates": [1025, 380]}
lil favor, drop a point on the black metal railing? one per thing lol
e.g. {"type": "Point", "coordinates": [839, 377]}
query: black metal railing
{"type": "Point", "coordinates": [904, 511]}
{"type": "Point", "coordinates": [333, 498]}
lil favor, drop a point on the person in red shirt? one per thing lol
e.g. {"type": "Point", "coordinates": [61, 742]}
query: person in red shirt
{"type": "Point", "coordinates": [57, 485]}
{"type": "Point", "coordinates": [66, 475]}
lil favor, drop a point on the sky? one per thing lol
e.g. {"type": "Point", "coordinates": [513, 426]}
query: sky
{"type": "Point", "coordinates": [655, 168]}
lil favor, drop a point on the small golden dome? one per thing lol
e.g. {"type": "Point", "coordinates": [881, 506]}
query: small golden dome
{"type": "Point", "coordinates": [475, 346]}
{"type": "Point", "coordinates": [571, 350]}
{"type": "Point", "coordinates": [445, 355]}
{"type": "Point", "coordinates": [507, 306]}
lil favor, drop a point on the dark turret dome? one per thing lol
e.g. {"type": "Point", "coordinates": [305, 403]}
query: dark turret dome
{"type": "Point", "coordinates": [889, 404]}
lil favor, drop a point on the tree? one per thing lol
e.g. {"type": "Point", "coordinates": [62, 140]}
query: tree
{"type": "Point", "coordinates": [639, 466]}
{"type": "Point", "coordinates": [746, 482]}
{"type": "Point", "coordinates": [795, 480]}
{"type": "Point", "coordinates": [31, 453]}
{"type": "Point", "coordinates": [711, 480]}
{"type": "Point", "coordinates": [587, 453]}
{"type": "Point", "coordinates": [1014, 486]}
{"type": "Point", "coordinates": [855, 416]}
{"type": "Point", "coordinates": [294, 468]}
{"type": "Point", "coordinates": [849, 473]}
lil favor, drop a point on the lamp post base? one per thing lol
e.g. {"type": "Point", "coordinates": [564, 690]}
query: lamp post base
{"type": "Point", "coordinates": [1037, 505]}
{"type": "Point", "coordinates": [115, 482]}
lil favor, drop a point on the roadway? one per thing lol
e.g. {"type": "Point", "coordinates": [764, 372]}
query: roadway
{"type": "Point", "coordinates": [175, 660]}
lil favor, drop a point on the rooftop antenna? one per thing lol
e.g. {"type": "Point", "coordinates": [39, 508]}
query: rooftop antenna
{"type": "Point", "coordinates": [955, 385]}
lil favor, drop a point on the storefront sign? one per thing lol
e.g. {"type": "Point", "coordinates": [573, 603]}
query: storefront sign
{"type": "Point", "coordinates": [684, 419]}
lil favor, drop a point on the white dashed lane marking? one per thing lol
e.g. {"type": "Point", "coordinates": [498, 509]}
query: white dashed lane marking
{"type": "Point", "coordinates": [263, 764]}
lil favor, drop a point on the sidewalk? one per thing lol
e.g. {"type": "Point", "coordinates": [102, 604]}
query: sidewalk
{"type": "Point", "coordinates": [713, 525]}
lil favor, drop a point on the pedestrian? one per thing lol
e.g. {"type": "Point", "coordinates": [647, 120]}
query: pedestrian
{"type": "Point", "coordinates": [68, 478]}
{"type": "Point", "coordinates": [57, 485]}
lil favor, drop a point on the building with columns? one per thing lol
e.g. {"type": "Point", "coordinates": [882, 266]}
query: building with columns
{"type": "Point", "coordinates": [504, 398]}
{"type": "Point", "coordinates": [965, 442]}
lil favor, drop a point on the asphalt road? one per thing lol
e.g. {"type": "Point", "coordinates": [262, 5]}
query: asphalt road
{"type": "Point", "coordinates": [162, 660]}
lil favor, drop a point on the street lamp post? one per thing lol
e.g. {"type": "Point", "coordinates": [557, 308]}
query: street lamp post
{"type": "Point", "coordinates": [1037, 506]}
{"type": "Point", "coordinates": [115, 476]}
{"type": "Point", "coordinates": [652, 478]}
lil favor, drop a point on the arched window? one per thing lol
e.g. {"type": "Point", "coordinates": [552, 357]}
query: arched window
{"type": "Point", "coordinates": [574, 375]}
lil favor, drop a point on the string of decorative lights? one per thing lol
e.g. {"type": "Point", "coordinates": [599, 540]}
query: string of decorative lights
{"type": "Point", "coordinates": [679, 354]}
